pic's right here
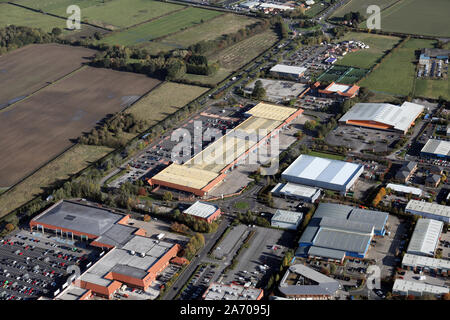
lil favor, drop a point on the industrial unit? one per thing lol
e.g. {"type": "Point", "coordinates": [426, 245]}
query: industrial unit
{"type": "Point", "coordinates": [219, 291]}
{"type": "Point", "coordinates": [383, 116]}
{"type": "Point", "coordinates": [429, 210]}
{"type": "Point", "coordinates": [296, 191]}
{"type": "Point", "coordinates": [303, 283]}
{"type": "Point", "coordinates": [208, 168]}
{"type": "Point", "coordinates": [288, 71]}
{"type": "Point", "coordinates": [436, 149]}
{"type": "Point", "coordinates": [399, 188]}
{"type": "Point", "coordinates": [426, 264]}
{"type": "Point", "coordinates": [425, 238]}
{"type": "Point", "coordinates": [286, 219]}
{"type": "Point", "coordinates": [203, 211]}
{"type": "Point", "coordinates": [132, 259]}
{"type": "Point", "coordinates": [338, 90]}
{"type": "Point", "coordinates": [404, 288]}
{"type": "Point", "coordinates": [323, 173]}
{"type": "Point", "coordinates": [337, 231]}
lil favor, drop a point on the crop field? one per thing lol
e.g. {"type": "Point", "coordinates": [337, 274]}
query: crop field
{"type": "Point", "coordinates": [242, 52]}
{"type": "Point", "coordinates": [212, 29]}
{"type": "Point", "coordinates": [40, 127]}
{"type": "Point", "coordinates": [396, 74]}
{"type": "Point", "coordinates": [361, 6]}
{"type": "Point", "coordinates": [69, 163]}
{"type": "Point", "coordinates": [366, 58]}
{"type": "Point", "coordinates": [21, 73]}
{"type": "Point", "coordinates": [342, 74]}
{"type": "Point", "coordinates": [160, 27]}
{"type": "Point", "coordinates": [10, 14]}
{"type": "Point", "coordinates": [165, 100]}
{"type": "Point", "coordinates": [418, 17]}
{"type": "Point", "coordinates": [112, 14]}
{"type": "Point", "coordinates": [215, 78]}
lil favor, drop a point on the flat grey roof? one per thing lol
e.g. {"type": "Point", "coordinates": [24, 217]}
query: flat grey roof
{"type": "Point", "coordinates": [286, 216]}
{"type": "Point", "coordinates": [427, 207]}
{"type": "Point", "coordinates": [79, 217]}
{"type": "Point", "coordinates": [326, 253]}
{"type": "Point", "coordinates": [341, 240]}
{"type": "Point", "coordinates": [425, 237]}
{"type": "Point", "coordinates": [201, 209]}
{"type": "Point", "coordinates": [324, 285]}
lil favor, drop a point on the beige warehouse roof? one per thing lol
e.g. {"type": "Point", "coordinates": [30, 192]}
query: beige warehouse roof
{"type": "Point", "coordinates": [271, 111]}
{"type": "Point", "coordinates": [187, 176]}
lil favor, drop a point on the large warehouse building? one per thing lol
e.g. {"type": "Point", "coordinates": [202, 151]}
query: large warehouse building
{"type": "Point", "coordinates": [429, 210]}
{"type": "Point", "coordinates": [208, 168]}
{"type": "Point", "coordinates": [132, 259]}
{"type": "Point", "coordinates": [288, 71]}
{"type": "Point", "coordinates": [415, 288]}
{"type": "Point", "coordinates": [436, 149]}
{"type": "Point", "coordinates": [383, 116]}
{"type": "Point", "coordinates": [425, 238]}
{"type": "Point", "coordinates": [323, 173]}
{"type": "Point", "coordinates": [337, 231]}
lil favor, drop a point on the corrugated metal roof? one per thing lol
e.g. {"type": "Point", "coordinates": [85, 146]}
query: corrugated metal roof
{"type": "Point", "coordinates": [428, 207]}
{"type": "Point", "coordinates": [439, 147]}
{"type": "Point", "coordinates": [201, 209]}
{"type": "Point", "coordinates": [413, 260]}
{"type": "Point", "coordinates": [288, 69]}
{"type": "Point", "coordinates": [285, 216]}
{"type": "Point", "coordinates": [399, 117]}
{"type": "Point", "coordinates": [342, 240]}
{"type": "Point", "coordinates": [404, 189]}
{"type": "Point", "coordinates": [425, 237]}
{"type": "Point", "coordinates": [321, 169]}
{"type": "Point", "coordinates": [326, 253]}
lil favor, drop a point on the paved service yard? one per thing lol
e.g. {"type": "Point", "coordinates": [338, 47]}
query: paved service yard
{"type": "Point", "coordinates": [261, 252]}
{"type": "Point", "coordinates": [385, 249]}
{"type": "Point", "coordinates": [226, 246]}
{"type": "Point", "coordinates": [33, 264]}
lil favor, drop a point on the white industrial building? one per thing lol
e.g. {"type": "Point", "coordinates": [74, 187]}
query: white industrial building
{"type": "Point", "coordinates": [286, 219]}
{"type": "Point", "coordinates": [425, 238]}
{"type": "Point", "coordinates": [383, 116]}
{"type": "Point", "coordinates": [285, 70]}
{"type": "Point", "coordinates": [436, 148]}
{"type": "Point", "coordinates": [323, 173]}
{"type": "Point", "coordinates": [219, 291]}
{"type": "Point", "coordinates": [400, 188]}
{"type": "Point", "coordinates": [296, 191]}
{"type": "Point", "coordinates": [429, 210]}
{"type": "Point", "coordinates": [415, 262]}
{"type": "Point", "coordinates": [404, 288]}
{"type": "Point", "coordinates": [204, 211]}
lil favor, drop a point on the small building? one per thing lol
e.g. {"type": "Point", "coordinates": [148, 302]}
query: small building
{"type": "Point", "coordinates": [303, 283]}
{"type": "Point", "coordinates": [296, 191]}
{"type": "Point", "coordinates": [425, 238]}
{"type": "Point", "coordinates": [338, 90]}
{"type": "Point", "coordinates": [436, 149]}
{"type": "Point", "coordinates": [203, 211]}
{"type": "Point", "coordinates": [399, 188]}
{"type": "Point", "coordinates": [418, 289]}
{"type": "Point", "coordinates": [286, 219]}
{"type": "Point", "coordinates": [429, 210]}
{"type": "Point", "coordinates": [406, 171]}
{"type": "Point", "coordinates": [288, 71]}
{"type": "Point", "coordinates": [432, 181]}
{"type": "Point", "coordinates": [435, 170]}
{"type": "Point", "coordinates": [218, 291]}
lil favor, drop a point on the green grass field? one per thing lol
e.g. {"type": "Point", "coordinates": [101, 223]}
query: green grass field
{"type": "Point", "coordinates": [317, 8]}
{"type": "Point", "coordinates": [212, 29]}
{"type": "Point", "coordinates": [212, 79]}
{"type": "Point", "coordinates": [67, 164]}
{"type": "Point", "coordinates": [342, 74]}
{"type": "Point", "coordinates": [361, 6]}
{"type": "Point", "coordinates": [111, 14]}
{"type": "Point", "coordinates": [432, 88]}
{"type": "Point", "coordinates": [396, 74]}
{"type": "Point", "coordinates": [164, 100]}
{"type": "Point", "coordinates": [366, 58]}
{"type": "Point", "coordinates": [326, 155]}
{"type": "Point", "coordinates": [10, 14]}
{"type": "Point", "coordinates": [429, 17]}
{"type": "Point", "coordinates": [160, 27]}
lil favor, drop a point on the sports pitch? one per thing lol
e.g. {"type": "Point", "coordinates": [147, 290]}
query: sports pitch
{"type": "Point", "coordinates": [342, 74]}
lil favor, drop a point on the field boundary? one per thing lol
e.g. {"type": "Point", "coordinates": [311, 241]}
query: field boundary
{"type": "Point", "coordinates": [45, 87]}
{"type": "Point", "coordinates": [55, 15]}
